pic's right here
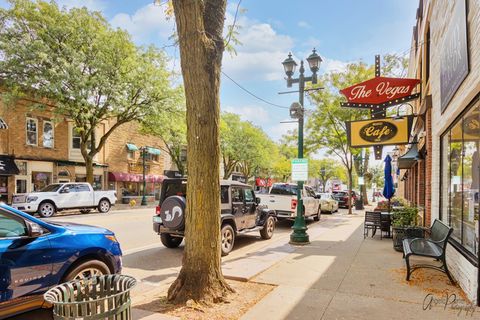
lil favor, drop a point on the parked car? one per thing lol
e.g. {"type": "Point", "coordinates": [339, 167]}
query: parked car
{"type": "Point", "coordinates": [36, 255]}
{"type": "Point", "coordinates": [282, 198]}
{"type": "Point", "coordinates": [342, 198]}
{"type": "Point", "coordinates": [328, 202]}
{"type": "Point", "coordinates": [64, 196]}
{"type": "Point", "coordinates": [240, 213]}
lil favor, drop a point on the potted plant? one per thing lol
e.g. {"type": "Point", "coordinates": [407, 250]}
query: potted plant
{"type": "Point", "coordinates": [382, 206]}
{"type": "Point", "coordinates": [404, 225]}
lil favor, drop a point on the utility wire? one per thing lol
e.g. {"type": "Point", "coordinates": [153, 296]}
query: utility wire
{"type": "Point", "coordinates": [252, 94]}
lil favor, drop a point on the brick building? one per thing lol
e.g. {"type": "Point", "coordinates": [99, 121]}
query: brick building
{"type": "Point", "coordinates": [38, 148]}
{"type": "Point", "coordinates": [124, 155]}
{"type": "Point", "coordinates": [441, 171]}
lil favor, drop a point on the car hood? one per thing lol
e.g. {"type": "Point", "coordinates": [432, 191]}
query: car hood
{"type": "Point", "coordinates": [82, 228]}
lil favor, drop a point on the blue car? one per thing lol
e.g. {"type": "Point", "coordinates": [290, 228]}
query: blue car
{"type": "Point", "coordinates": [36, 255]}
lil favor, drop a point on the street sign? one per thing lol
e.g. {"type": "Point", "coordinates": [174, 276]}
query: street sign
{"type": "Point", "coordinates": [300, 169]}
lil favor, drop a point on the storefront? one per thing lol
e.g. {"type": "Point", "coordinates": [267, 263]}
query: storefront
{"type": "Point", "coordinates": [129, 186]}
{"type": "Point", "coordinates": [460, 179]}
{"type": "Point", "coordinates": [8, 169]}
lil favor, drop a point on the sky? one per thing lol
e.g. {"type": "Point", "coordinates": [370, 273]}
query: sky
{"type": "Point", "coordinates": [342, 31]}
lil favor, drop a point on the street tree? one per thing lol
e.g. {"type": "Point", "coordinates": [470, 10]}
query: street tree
{"type": "Point", "coordinates": [199, 29]}
{"type": "Point", "coordinates": [326, 169]}
{"type": "Point", "coordinates": [245, 146]}
{"type": "Point", "coordinates": [83, 69]}
{"type": "Point", "coordinates": [171, 128]}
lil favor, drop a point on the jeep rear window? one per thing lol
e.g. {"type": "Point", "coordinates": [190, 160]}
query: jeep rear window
{"type": "Point", "coordinates": [180, 189]}
{"type": "Point", "coordinates": [285, 189]}
{"type": "Point", "coordinates": [175, 189]}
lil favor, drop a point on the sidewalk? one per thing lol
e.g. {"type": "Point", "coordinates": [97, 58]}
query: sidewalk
{"type": "Point", "coordinates": [342, 276]}
{"type": "Point", "coordinates": [339, 276]}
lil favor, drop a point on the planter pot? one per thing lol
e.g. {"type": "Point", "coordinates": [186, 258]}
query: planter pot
{"type": "Point", "coordinates": [400, 233]}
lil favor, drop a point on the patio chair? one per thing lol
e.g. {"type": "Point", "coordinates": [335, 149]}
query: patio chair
{"type": "Point", "coordinates": [372, 222]}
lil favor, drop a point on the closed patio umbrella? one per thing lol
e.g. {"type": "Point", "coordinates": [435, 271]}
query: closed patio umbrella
{"type": "Point", "coordinates": [388, 189]}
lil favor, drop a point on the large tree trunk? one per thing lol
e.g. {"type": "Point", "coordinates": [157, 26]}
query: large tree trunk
{"type": "Point", "coordinates": [200, 27]}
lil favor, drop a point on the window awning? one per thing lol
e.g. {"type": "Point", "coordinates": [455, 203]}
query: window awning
{"type": "Point", "coordinates": [3, 124]}
{"type": "Point", "coordinates": [409, 159]}
{"type": "Point", "coordinates": [153, 151]}
{"type": "Point", "coordinates": [131, 147]}
{"type": "Point", "coordinates": [8, 166]}
{"type": "Point", "coordinates": [133, 177]}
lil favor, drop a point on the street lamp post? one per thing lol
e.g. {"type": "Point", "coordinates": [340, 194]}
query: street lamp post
{"type": "Point", "coordinates": [144, 197]}
{"type": "Point", "coordinates": [299, 234]}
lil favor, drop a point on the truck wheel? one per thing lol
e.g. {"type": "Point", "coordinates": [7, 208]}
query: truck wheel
{"type": "Point", "coordinates": [104, 206]}
{"type": "Point", "coordinates": [46, 209]}
{"type": "Point", "coordinates": [228, 239]}
{"type": "Point", "coordinates": [169, 241]}
{"type": "Point", "coordinates": [268, 228]}
{"type": "Point", "coordinates": [317, 216]}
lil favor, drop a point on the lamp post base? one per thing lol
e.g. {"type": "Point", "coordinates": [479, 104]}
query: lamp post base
{"type": "Point", "coordinates": [144, 201]}
{"type": "Point", "coordinates": [299, 234]}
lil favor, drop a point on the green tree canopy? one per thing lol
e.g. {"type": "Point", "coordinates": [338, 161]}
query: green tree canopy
{"type": "Point", "coordinates": [244, 145]}
{"type": "Point", "coordinates": [89, 71]}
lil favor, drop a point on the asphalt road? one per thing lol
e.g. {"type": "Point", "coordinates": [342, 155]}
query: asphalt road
{"type": "Point", "coordinates": [144, 256]}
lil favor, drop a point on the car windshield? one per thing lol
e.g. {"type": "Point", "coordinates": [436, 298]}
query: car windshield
{"type": "Point", "coordinates": [340, 193]}
{"type": "Point", "coordinates": [51, 188]}
{"type": "Point", "coordinates": [285, 189]}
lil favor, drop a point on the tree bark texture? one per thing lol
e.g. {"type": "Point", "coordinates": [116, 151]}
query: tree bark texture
{"type": "Point", "coordinates": [199, 28]}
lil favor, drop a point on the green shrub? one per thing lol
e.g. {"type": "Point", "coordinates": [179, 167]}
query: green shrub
{"type": "Point", "coordinates": [405, 217]}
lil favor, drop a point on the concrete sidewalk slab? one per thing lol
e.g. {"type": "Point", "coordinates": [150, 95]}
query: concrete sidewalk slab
{"type": "Point", "coordinates": [341, 275]}
{"type": "Point", "coordinates": [139, 314]}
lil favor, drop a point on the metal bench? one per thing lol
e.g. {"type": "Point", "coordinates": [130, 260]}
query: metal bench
{"type": "Point", "coordinates": [433, 247]}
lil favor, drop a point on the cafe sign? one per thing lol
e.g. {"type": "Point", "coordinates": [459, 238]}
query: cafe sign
{"type": "Point", "coordinates": [380, 92]}
{"type": "Point", "coordinates": [375, 132]}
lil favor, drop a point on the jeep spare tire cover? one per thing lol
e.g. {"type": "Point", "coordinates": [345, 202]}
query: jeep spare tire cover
{"type": "Point", "coordinates": [173, 212]}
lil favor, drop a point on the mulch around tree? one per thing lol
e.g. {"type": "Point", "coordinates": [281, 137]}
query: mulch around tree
{"type": "Point", "coordinates": [246, 295]}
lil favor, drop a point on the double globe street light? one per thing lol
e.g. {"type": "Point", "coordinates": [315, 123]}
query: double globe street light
{"type": "Point", "coordinates": [299, 234]}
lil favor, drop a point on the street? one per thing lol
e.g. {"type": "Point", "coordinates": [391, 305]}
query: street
{"type": "Point", "coordinates": [147, 260]}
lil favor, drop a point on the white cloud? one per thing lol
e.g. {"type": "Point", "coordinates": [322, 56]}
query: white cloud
{"type": "Point", "coordinates": [260, 53]}
{"type": "Point", "coordinates": [257, 115]}
{"type": "Point", "coordinates": [147, 25]}
{"type": "Point", "coordinates": [94, 5]}
{"type": "Point", "coordinates": [304, 24]}
{"type": "Point", "coordinates": [277, 130]}
{"type": "Point", "coordinates": [329, 65]}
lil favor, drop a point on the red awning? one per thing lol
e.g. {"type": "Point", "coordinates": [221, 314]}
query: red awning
{"type": "Point", "coordinates": [132, 177]}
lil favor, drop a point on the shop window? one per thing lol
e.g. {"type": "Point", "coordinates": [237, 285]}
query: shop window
{"type": "Point", "coordinates": [48, 134]}
{"type": "Point", "coordinates": [461, 179]}
{"type": "Point", "coordinates": [32, 132]}
{"type": "Point", "coordinates": [40, 180]}
{"type": "Point", "coordinates": [130, 155]}
{"type": "Point", "coordinates": [21, 186]}
{"type": "Point", "coordinates": [3, 188]}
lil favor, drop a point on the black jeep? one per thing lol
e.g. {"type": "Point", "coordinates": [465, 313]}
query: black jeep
{"type": "Point", "coordinates": [240, 213]}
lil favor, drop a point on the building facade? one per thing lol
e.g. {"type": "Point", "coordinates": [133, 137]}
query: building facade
{"type": "Point", "coordinates": [444, 170]}
{"type": "Point", "coordinates": [128, 151]}
{"type": "Point", "coordinates": [38, 147]}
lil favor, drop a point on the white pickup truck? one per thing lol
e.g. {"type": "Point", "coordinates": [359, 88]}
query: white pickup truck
{"type": "Point", "coordinates": [64, 196]}
{"type": "Point", "coordinates": [282, 198]}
